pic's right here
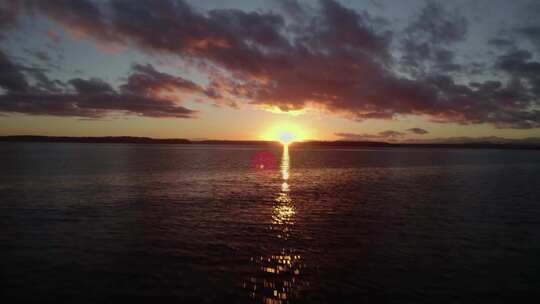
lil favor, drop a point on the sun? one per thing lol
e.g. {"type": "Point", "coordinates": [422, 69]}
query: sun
{"type": "Point", "coordinates": [285, 133]}
{"type": "Point", "coordinates": [286, 137]}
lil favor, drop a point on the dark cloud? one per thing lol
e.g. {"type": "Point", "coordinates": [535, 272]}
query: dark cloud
{"type": "Point", "coordinates": [501, 42]}
{"type": "Point", "coordinates": [531, 32]}
{"type": "Point", "coordinates": [292, 8]}
{"type": "Point", "coordinates": [95, 105]}
{"type": "Point", "coordinates": [329, 57]}
{"type": "Point", "coordinates": [427, 40]}
{"type": "Point", "coordinates": [91, 86]}
{"type": "Point", "coordinates": [391, 133]}
{"type": "Point", "coordinates": [439, 140]}
{"type": "Point", "coordinates": [518, 63]}
{"type": "Point", "coordinates": [54, 36]}
{"type": "Point", "coordinates": [419, 131]}
{"type": "Point", "coordinates": [145, 80]}
{"type": "Point", "coordinates": [377, 3]}
{"type": "Point", "coordinates": [9, 11]}
{"type": "Point", "coordinates": [44, 83]}
{"type": "Point", "coordinates": [525, 74]}
{"type": "Point", "coordinates": [11, 76]}
{"type": "Point", "coordinates": [41, 55]}
{"type": "Point", "coordinates": [384, 135]}
{"type": "Point", "coordinates": [484, 139]}
{"type": "Point", "coordinates": [91, 98]}
{"type": "Point", "coordinates": [437, 24]}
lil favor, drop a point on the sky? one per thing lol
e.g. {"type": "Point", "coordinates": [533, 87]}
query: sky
{"type": "Point", "coordinates": [410, 71]}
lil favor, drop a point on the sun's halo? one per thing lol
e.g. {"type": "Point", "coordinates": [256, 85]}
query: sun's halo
{"type": "Point", "coordinates": [286, 137]}
{"type": "Point", "coordinates": [285, 133]}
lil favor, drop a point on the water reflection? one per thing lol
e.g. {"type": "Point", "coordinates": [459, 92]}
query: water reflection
{"type": "Point", "coordinates": [285, 164]}
{"type": "Point", "coordinates": [279, 276]}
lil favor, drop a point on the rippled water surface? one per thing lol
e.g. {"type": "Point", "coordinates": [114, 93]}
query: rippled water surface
{"type": "Point", "coordinates": [103, 222]}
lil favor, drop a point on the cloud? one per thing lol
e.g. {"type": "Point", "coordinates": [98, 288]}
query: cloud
{"type": "Point", "coordinates": [501, 42]}
{"type": "Point", "coordinates": [146, 80]}
{"type": "Point", "coordinates": [54, 36]}
{"type": "Point", "coordinates": [484, 139]}
{"type": "Point", "coordinates": [428, 38]}
{"type": "Point", "coordinates": [41, 55]}
{"type": "Point", "coordinates": [9, 11]}
{"type": "Point", "coordinates": [91, 86]}
{"type": "Point", "coordinates": [389, 135]}
{"type": "Point", "coordinates": [11, 75]}
{"type": "Point", "coordinates": [395, 136]}
{"type": "Point", "coordinates": [292, 8]}
{"type": "Point", "coordinates": [95, 105]}
{"type": "Point", "coordinates": [90, 98]}
{"type": "Point", "coordinates": [435, 23]}
{"type": "Point", "coordinates": [384, 135]}
{"type": "Point", "coordinates": [44, 83]}
{"type": "Point", "coordinates": [531, 32]}
{"type": "Point", "coordinates": [328, 57]}
{"type": "Point", "coordinates": [418, 131]}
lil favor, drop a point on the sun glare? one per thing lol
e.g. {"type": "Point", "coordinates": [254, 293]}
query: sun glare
{"type": "Point", "coordinates": [285, 133]}
{"type": "Point", "coordinates": [286, 138]}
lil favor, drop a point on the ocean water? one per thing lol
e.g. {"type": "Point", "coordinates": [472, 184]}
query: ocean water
{"type": "Point", "coordinates": [242, 224]}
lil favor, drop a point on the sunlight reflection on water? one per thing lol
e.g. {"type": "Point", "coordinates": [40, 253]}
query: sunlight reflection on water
{"type": "Point", "coordinates": [193, 223]}
{"type": "Point", "coordinates": [278, 278]}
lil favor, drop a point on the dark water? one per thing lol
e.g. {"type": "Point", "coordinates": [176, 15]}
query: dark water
{"type": "Point", "coordinates": [102, 223]}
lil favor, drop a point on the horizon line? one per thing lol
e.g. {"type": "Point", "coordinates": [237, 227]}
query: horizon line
{"type": "Point", "coordinates": [480, 143]}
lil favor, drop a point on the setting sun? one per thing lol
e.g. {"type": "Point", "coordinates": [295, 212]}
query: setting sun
{"type": "Point", "coordinates": [286, 133]}
{"type": "Point", "coordinates": [286, 138]}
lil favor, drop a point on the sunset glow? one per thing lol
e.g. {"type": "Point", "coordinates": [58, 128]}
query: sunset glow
{"type": "Point", "coordinates": [286, 133]}
{"type": "Point", "coordinates": [292, 77]}
{"type": "Point", "coordinates": [270, 151]}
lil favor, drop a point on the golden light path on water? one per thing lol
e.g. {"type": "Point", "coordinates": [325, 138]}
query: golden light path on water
{"type": "Point", "coordinates": [279, 277]}
{"type": "Point", "coordinates": [283, 211]}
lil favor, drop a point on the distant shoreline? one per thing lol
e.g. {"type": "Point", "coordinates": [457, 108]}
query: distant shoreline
{"type": "Point", "coordinates": [128, 140]}
{"type": "Point", "coordinates": [338, 143]}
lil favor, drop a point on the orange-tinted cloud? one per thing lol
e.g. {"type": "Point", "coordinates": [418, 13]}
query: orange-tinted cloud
{"type": "Point", "coordinates": [333, 57]}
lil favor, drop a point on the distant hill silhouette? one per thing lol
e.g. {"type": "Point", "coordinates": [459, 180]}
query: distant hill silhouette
{"type": "Point", "coordinates": [128, 140]}
{"type": "Point", "coordinates": [338, 143]}
{"type": "Point", "coordinates": [108, 139]}
{"type": "Point", "coordinates": [470, 145]}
